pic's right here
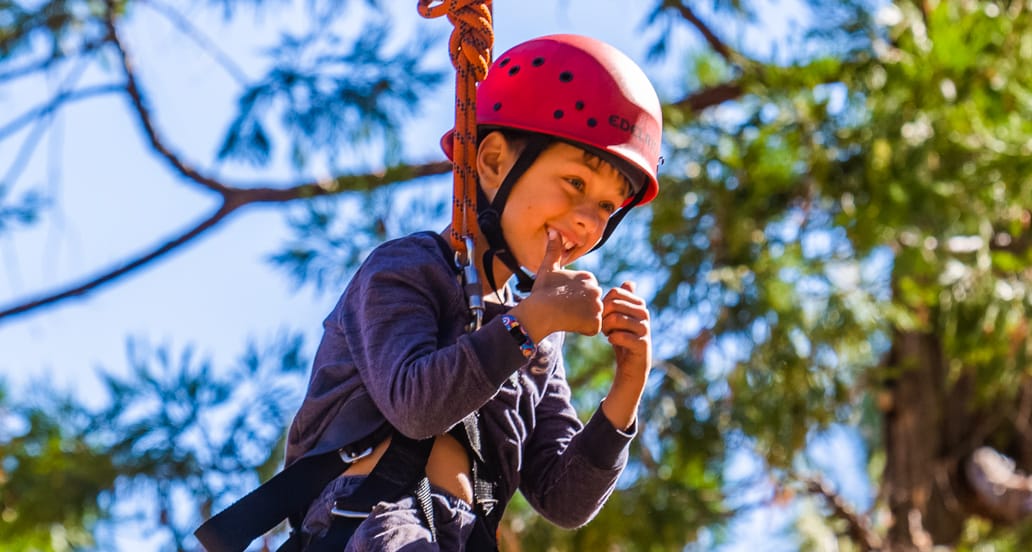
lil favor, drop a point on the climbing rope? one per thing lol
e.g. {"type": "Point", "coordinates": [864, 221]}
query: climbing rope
{"type": "Point", "coordinates": [470, 49]}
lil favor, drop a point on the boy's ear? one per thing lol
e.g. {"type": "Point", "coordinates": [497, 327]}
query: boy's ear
{"type": "Point", "coordinates": [495, 157]}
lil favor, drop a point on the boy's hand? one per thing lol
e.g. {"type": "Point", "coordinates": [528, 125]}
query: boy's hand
{"type": "Point", "coordinates": [625, 321]}
{"type": "Point", "coordinates": [561, 300]}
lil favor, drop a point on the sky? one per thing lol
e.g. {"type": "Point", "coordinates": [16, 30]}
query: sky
{"type": "Point", "coordinates": [112, 197]}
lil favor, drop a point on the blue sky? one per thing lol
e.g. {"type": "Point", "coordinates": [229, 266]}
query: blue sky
{"type": "Point", "coordinates": [113, 197]}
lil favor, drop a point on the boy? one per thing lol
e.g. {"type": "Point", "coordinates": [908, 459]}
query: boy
{"type": "Point", "coordinates": [569, 142]}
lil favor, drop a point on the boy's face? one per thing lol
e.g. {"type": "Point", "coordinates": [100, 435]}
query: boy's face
{"type": "Point", "coordinates": [567, 190]}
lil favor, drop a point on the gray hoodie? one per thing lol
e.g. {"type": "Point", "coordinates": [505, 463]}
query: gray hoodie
{"type": "Point", "coordinates": [395, 348]}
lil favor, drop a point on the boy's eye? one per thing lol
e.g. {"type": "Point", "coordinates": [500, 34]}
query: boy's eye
{"type": "Point", "coordinates": [575, 182]}
{"type": "Point", "coordinates": [608, 206]}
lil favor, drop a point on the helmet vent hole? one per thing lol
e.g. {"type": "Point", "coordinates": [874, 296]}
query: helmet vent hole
{"type": "Point", "coordinates": [504, 62]}
{"type": "Point", "coordinates": [579, 105]}
{"type": "Point", "coordinates": [558, 114]}
{"type": "Point", "coordinates": [538, 62]}
{"type": "Point", "coordinates": [566, 76]}
{"type": "Point", "coordinates": [592, 122]}
{"type": "Point", "coordinates": [497, 106]}
{"type": "Point", "coordinates": [515, 69]}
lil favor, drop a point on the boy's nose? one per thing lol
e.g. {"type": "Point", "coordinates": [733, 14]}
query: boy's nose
{"type": "Point", "coordinates": [587, 217]}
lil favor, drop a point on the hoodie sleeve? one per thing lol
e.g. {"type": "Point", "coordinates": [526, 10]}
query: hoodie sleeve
{"type": "Point", "coordinates": [395, 318]}
{"type": "Point", "coordinates": [570, 470]}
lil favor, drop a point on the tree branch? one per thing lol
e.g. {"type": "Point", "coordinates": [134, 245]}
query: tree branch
{"type": "Point", "coordinates": [709, 97]}
{"type": "Point", "coordinates": [859, 528]}
{"type": "Point", "coordinates": [143, 115]}
{"type": "Point", "coordinates": [233, 198]}
{"type": "Point", "coordinates": [44, 64]}
{"type": "Point", "coordinates": [714, 41]}
{"type": "Point", "coordinates": [21, 160]}
{"type": "Point", "coordinates": [342, 183]}
{"type": "Point", "coordinates": [25, 151]}
{"type": "Point", "coordinates": [56, 103]}
{"type": "Point", "coordinates": [112, 274]}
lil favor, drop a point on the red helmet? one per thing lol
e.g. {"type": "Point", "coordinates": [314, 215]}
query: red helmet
{"type": "Point", "coordinates": [578, 89]}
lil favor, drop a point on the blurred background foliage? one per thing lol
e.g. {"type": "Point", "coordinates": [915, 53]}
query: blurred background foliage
{"type": "Point", "coordinates": [841, 245]}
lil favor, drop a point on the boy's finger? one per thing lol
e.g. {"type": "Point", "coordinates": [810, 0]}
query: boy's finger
{"type": "Point", "coordinates": [624, 306]}
{"type": "Point", "coordinates": [553, 253]}
{"type": "Point", "coordinates": [625, 295]}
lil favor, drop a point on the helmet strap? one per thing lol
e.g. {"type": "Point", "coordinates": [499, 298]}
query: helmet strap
{"type": "Point", "coordinates": [489, 216]}
{"type": "Point", "coordinates": [618, 216]}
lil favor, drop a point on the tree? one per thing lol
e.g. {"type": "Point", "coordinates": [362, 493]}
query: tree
{"type": "Point", "coordinates": [841, 240]}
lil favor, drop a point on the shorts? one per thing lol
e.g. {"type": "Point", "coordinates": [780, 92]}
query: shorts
{"type": "Point", "coordinates": [395, 526]}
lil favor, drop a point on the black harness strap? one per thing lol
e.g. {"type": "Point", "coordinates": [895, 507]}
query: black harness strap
{"type": "Point", "coordinates": [290, 491]}
{"type": "Point", "coordinates": [485, 504]}
{"type": "Point", "coordinates": [287, 495]}
{"type": "Point", "coordinates": [400, 471]}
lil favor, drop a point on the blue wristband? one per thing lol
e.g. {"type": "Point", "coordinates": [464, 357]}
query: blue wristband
{"type": "Point", "coordinates": [519, 333]}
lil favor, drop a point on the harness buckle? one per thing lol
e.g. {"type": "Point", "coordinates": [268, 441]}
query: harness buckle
{"type": "Point", "coordinates": [487, 505]}
{"type": "Point", "coordinates": [351, 457]}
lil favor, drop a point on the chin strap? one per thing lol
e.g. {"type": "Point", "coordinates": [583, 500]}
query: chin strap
{"type": "Point", "coordinates": [618, 216]}
{"type": "Point", "coordinates": [489, 217]}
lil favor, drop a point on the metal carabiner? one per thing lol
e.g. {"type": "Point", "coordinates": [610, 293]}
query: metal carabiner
{"type": "Point", "coordinates": [471, 284]}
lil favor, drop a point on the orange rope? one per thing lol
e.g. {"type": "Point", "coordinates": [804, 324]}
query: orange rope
{"type": "Point", "coordinates": [470, 48]}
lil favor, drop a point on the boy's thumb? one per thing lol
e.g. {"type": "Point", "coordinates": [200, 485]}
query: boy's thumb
{"type": "Point", "coordinates": [553, 253]}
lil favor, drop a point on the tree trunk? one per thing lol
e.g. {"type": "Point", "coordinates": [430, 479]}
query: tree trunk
{"type": "Point", "coordinates": [943, 460]}
{"type": "Point", "coordinates": [925, 418]}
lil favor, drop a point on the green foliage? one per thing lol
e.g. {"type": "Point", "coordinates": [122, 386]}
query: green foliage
{"type": "Point", "coordinates": [334, 96]}
{"type": "Point", "coordinates": [172, 426]}
{"type": "Point", "coordinates": [793, 210]}
{"type": "Point", "coordinates": [51, 474]}
{"type": "Point", "coordinates": [59, 25]}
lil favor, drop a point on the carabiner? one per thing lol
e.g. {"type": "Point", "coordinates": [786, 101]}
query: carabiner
{"type": "Point", "coordinates": [471, 284]}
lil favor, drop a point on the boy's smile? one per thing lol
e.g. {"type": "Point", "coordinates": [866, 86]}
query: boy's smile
{"type": "Point", "coordinates": [567, 190]}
